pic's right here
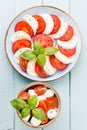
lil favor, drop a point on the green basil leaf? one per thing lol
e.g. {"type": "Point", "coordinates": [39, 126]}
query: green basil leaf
{"type": "Point", "coordinates": [37, 45]}
{"type": "Point", "coordinates": [28, 55]}
{"type": "Point", "coordinates": [18, 103]}
{"type": "Point", "coordinates": [41, 60]}
{"type": "Point", "coordinates": [32, 101]}
{"type": "Point", "coordinates": [50, 50]}
{"type": "Point", "coordinates": [25, 112]}
{"type": "Point", "coordinates": [39, 114]}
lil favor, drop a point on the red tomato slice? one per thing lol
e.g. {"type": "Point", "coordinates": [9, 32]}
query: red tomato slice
{"type": "Point", "coordinates": [45, 40]}
{"type": "Point", "coordinates": [24, 26]}
{"type": "Point", "coordinates": [20, 44]}
{"type": "Point", "coordinates": [23, 64]}
{"type": "Point", "coordinates": [40, 89]}
{"type": "Point", "coordinates": [41, 23]}
{"type": "Point", "coordinates": [56, 63]}
{"type": "Point", "coordinates": [52, 102]}
{"type": "Point", "coordinates": [68, 34]}
{"type": "Point", "coordinates": [67, 52]}
{"type": "Point", "coordinates": [24, 95]}
{"type": "Point", "coordinates": [57, 23]}
{"type": "Point", "coordinates": [43, 105]}
{"type": "Point", "coordinates": [40, 71]}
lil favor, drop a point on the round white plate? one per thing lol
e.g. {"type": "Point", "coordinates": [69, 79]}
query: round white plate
{"type": "Point", "coordinates": [39, 10]}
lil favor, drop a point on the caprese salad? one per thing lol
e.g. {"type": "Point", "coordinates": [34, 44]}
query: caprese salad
{"type": "Point", "coordinates": [43, 44]}
{"type": "Point", "coordinates": [37, 105]}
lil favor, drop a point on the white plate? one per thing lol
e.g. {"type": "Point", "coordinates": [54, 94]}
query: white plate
{"type": "Point", "coordinates": [39, 10]}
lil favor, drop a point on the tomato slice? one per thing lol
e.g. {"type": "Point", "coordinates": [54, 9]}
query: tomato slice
{"type": "Point", "coordinates": [24, 95]}
{"type": "Point", "coordinates": [52, 102]}
{"type": "Point", "coordinates": [67, 52]}
{"type": "Point", "coordinates": [40, 71]}
{"type": "Point", "coordinates": [41, 23]}
{"type": "Point", "coordinates": [57, 23]}
{"type": "Point", "coordinates": [44, 121]}
{"type": "Point", "coordinates": [56, 63]}
{"type": "Point", "coordinates": [44, 39]}
{"type": "Point", "coordinates": [24, 26]}
{"type": "Point", "coordinates": [40, 89]}
{"type": "Point", "coordinates": [43, 105]}
{"type": "Point", "coordinates": [20, 44]}
{"type": "Point", "coordinates": [68, 34]}
{"type": "Point", "coordinates": [23, 64]}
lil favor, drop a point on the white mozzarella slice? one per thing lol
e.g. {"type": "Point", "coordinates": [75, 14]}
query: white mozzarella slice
{"type": "Point", "coordinates": [48, 68]}
{"type": "Point", "coordinates": [31, 68]}
{"type": "Point", "coordinates": [35, 122]}
{"type": "Point", "coordinates": [64, 59]}
{"type": "Point", "coordinates": [42, 97]}
{"type": "Point", "coordinates": [26, 118]}
{"type": "Point", "coordinates": [49, 23]}
{"type": "Point", "coordinates": [68, 44]}
{"type": "Point", "coordinates": [32, 22]}
{"type": "Point", "coordinates": [49, 93]}
{"type": "Point", "coordinates": [31, 92]}
{"type": "Point", "coordinates": [20, 35]}
{"type": "Point", "coordinates": [52, 113]}
{"type": "Point", "coordinates": [61, 30]}
{"type": "Point", "coordinates": [17, 54]}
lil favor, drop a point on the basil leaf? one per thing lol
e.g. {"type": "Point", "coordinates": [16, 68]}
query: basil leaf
{"type": "Point", "coordinates": [50, 50]}
{"type": "Point", "coordinates": [18, 103]}
{"type": "Point", "coordinates": [41, 60]}
{"type": "Point", "coordinates": [32, 101]}
{"type": "Point", "coordinates": [28, 55]}
{"type": "Point", "coordinates": [37, 45]}
{"type": "Point", "coordinates": [25, 112]}
{"type": "Point", "coordinates": [39, 114]}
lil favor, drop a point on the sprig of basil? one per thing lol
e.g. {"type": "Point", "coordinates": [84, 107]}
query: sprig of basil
{"type": "Point", "coordinates": [32, 101]}
{"type": "Point", "coordinates": [18, 103]}
{"type": "Point", "coordinates": [41, 60]}
{"type": "Point", "coordinates": [50, 50]}
{"type": "Point", "coordinates": [39, 114]}
{"type": "Point", "coordinates": [25, 112]}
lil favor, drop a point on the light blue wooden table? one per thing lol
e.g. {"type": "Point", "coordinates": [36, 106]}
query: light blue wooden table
{"type": "Point", "coordinates": [72, 87]}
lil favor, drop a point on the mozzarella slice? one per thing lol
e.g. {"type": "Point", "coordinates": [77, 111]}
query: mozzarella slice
{"type": "Point", "coordinates": [31, 68]}
{"type": "Point", "coordinates": [32, 22]}
{"type": "Point", "coordinates": [61, 30]}
{"type": "Point", "coordinates": [31, 92]}
{"type": "Point", "coordinates": [49, 93]}
{"type": "Point", "coordinates": [26, 118]}
{"type": "Point", "coordinates": [20, 35]}
{"type": "Point", "coordinates": [52, 113]}
{"type": "Point", "coordinates": [64, 59]}
{"type": "Point", "coordinates": [35, 122]}
{"type": "Point", "coordinates": [49, 23]}
{"type": "Point", "coordinates": [17, 54]}
{"type": "Point", "coordinates": [42, 97]}
{"type": "Point", "coordinates": [48, 68]}
{"type": "Point", "coordinates": [68, 44]}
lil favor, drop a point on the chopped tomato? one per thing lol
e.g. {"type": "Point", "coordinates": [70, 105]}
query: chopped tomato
{"type": "Point", "coordinates": [40, 89]}
{"type": "Point", "coordinates": [43, 105]}
{"type": "Point", "coordinates": [57, 23]}
{"type": "Point", "coordinates": [41, 23]}
{"type": "Point", "coordinates": [56, 63]}
{"type": "Point", "coordinates": [24, 26]}
{"type": "Point", "coordinates": [24, 95]}
{"type": "Point", "coordinates": [67, 52]}
{"type": "Point", "coordinates": [68, 34]}
{"type": "Point", "coordinates": [44, 121]}
{"type": "Point", "coordinates": [52, 102]}
{"type": "Point", "coordinates": [20, 44]}
{"type": "Point", "coordinates": [44, 39]}
{"type": "Point", "coordinates": [23, 64]}
{"type": "Point", "coordinates": [40, 71]}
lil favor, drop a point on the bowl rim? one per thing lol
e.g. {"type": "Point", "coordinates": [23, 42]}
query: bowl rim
{"type": "Point", "coordinates": [57, 95]}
